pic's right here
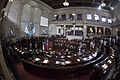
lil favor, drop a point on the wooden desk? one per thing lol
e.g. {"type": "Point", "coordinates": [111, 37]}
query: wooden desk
{"type": "Point", "coordinates": [57, 63]}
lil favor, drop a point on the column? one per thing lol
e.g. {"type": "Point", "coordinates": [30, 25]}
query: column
{"type": "Point", "coordinates": [7, 8]}
{"type": "Point", "coordinates": [95, 31]}
{"type": "Point", "coordinates": [64, 30]}
{"type": "Point", "coordinates": [32, 13]}
{"type": "Point", "coordinates": [20, 14]}
{"type": "Point", "coordinates": [4, 29]}
{"type": "Point", "coordinates": [85, 31]}
{"type": "Point", "coordinates": [67, 16]}
{"type": "Point", "coordinates": [103, 30]}
{"type": "Point", "coordinates": [19, 17]}
{"type": "Point", "coordinates": [116, 31]}
{"type": "Point", "coordinates": [74, 30]}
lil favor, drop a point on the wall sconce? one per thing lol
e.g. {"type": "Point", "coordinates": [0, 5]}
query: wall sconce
{"type": "Point", "coordinates": [103, 4]}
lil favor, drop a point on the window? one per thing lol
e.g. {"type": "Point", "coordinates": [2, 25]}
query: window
{"type": "Point", "coordinates": [109, 20]}
{"type": "Point", "coordinates": [107, 31]}
{"type": "Point", "coordinates": [103, 19]}
{"type": "Point", "coordinates": [59, 30]}
{"type": "Point", "coordinates": [78, 31]}
{"type": "Point", "coordinates": [69, 30]}
{"type": "Point", "coordinates": [99, 30]}
{"type": "Point", "coordinates": [63, 17]}
{"type": "Point", "coordinates": [96, 17]}
{"type": "Point", "coordinates": [56, 17]}
{"type": "Point", "coordinates": [89, 17]}
{"type": "Point", "coordinates": [90, 30]}
{"type": "Point", "coordinates": [79, 16]}
{"type": "Point", "coordinates": [71, 17]}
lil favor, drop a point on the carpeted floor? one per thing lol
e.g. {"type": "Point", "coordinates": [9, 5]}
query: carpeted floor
{"type": "Point", "coordinates": [27, 76]}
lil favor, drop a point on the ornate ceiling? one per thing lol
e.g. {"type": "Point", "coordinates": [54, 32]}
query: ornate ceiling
{"type": "Point", "coordinates": [76, 3]}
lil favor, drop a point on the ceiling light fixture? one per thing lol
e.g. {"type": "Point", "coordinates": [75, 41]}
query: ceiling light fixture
{"type": "Point", "coordinates": [10, 0]}
{"type": "Point", "coordinates": [66, 3]}
{"type": "Point", "coordinates": [102, 3]}
{"type": "Point", "coordinates": [99, 8]}
{"type": "Point", "coordinates": [111, 8]}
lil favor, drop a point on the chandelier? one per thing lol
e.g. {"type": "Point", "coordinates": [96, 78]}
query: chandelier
{"type": "Point", "coordinates": [103, 4]}
{"type": "Point", "coordinates": [66, 3]}
{"type": "Point", "coordinates": [10, 0]}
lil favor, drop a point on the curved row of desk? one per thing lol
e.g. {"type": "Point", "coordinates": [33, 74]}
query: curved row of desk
{"type": "Point", "coordinates": [56, 63]}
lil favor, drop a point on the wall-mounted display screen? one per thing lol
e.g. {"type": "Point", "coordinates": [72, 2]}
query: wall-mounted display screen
{"type": "Point", "coordinates": [44, 21]}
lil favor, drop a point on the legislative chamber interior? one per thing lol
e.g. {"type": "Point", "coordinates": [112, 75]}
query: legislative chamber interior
{"type": "Point", "coordinates": [60, 40]}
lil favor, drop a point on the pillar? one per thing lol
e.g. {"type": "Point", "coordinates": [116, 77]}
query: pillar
{"type": "Point", "coordinates": [85, 31]}
{"type": "Point", "coordinates": [64, 30]}
{"type": "Point", "coordinates": [19, 18]}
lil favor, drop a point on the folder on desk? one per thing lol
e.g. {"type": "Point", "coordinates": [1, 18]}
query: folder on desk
{"type": "Point", "coordinates": [57, 62]}
{"type": "Point", "coordinates": [67, 62]}
{"type": "Point", "coordinates": [105, 66]}
{"type": "Point", "coordinates": [37, 59]}
{"type": "Point", "coordinates": [45, 61]}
